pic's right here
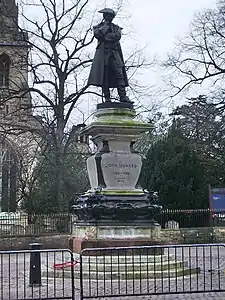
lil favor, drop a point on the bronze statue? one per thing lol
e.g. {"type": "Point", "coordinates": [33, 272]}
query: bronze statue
{"type": "Point", "coordinates": [108, 68]}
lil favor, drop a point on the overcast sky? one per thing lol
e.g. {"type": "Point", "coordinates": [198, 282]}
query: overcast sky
{"type": "Point", "coordinates": [158, 22]}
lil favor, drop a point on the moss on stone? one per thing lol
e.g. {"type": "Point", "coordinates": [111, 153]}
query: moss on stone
{"type": "Point", "coordinates": [116, 192]}
{"type": "Point", "coordinates": [121, 192]}
{"type": "Point", "coordinates": [117, 111]}
{"type": "Point", "coordinates": [124, 123]}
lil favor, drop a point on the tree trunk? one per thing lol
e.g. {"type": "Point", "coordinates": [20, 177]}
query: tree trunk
{"type": "Point", "coordinates": [60, 159]}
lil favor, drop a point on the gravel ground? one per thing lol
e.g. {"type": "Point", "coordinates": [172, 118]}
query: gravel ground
{"type": "Point", "coordinates": [14, 283]}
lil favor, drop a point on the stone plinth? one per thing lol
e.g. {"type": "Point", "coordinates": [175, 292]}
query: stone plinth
{"type": "Point", "coordinates": [115, 168]}
{"type": "Point", "coordinates": [115, 211]}
{"type": "Point", "coordinates": [117, 235]}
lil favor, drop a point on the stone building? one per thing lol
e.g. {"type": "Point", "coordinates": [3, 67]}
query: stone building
{"type": "Point", "coordinates": [16, 145]}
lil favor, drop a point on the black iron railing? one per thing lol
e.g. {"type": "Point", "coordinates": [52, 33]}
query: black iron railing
{"type": "Point", "coordinates": [20, 224]}
{"type": "Point", "coordinates": [37, 274]}
{"type": "Point", "coordinates": [152, 270]}
{"type": "Point", "coordinates": [13, 224]}
{"type": "Point", "coordinates": [191, 218]}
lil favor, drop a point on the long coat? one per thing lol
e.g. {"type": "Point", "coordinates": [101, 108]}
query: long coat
{"type": "Point", "coordinates": [102, 56]}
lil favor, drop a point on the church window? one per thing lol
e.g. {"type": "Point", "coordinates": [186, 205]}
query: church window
{"type": "Point", "coordinates": [4, 70]}
{"type": "Point", "coordinates": [8, 177]}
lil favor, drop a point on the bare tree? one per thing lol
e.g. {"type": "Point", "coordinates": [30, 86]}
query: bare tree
{"type": "Point", "coordinates": [200, 57]}
{"type": "Point", "coordinates": [60, 42]}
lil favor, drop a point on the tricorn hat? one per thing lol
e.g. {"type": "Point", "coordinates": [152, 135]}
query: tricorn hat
{"type": "Point", "coordinates": [108, 11]}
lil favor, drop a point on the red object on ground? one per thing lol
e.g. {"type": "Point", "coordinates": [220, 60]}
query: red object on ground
{"type": "Point", "coordinates": [65, 265]}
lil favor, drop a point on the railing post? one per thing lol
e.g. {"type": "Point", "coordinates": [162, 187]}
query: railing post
{"type": "Point", "coordinates": [81, 277]}
{"type": "Point", "coordinates": [35, 265]}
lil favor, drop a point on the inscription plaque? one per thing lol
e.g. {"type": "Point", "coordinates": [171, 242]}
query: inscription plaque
{"type": "Point", "coordinates": [121, 171]}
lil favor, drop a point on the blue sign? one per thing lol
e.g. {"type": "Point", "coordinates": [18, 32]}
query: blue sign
{"type": "Point", "coordinates": [218, 199]}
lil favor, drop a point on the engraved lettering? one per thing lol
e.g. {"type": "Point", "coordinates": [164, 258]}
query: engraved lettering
{"type": "Point", "coordinates": [121, 166]}
{"type": "Point", "coordinates": [119, 172]}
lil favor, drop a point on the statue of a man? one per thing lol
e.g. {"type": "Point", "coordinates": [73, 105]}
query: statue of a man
{"type": "Point", "coordinates": [108, 69]}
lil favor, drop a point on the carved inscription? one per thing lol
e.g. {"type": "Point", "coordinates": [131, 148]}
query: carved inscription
{"type": "Point", "coordinates": [121, 171]}
{"type": "Point", "coordinates": [121, 165]}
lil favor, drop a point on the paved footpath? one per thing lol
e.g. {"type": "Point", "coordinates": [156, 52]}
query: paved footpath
{"type": "Point", "coordinates": [207, 296]}
{"type": "Point", "coordinates": [215, 296]}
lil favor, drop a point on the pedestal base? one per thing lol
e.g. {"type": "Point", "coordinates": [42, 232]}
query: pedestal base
{"type": "Point", "coordinates": [117, 235]}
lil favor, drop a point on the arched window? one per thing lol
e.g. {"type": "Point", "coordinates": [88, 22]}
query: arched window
{"type": "Point", "coordinates": [4, 70]}
{"type": "Point", "coordinates": [8, 176]}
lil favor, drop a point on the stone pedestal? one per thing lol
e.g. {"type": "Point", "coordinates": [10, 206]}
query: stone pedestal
{"type": "Point", "coordinates": [117, 235]}
{"type": "Point", "coordinates": [115, 211]}
{"type": "Point", "coordinates": [116, 167]}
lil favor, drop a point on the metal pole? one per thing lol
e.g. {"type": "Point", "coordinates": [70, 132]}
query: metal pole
{"type": "Point", "coordinates": [35, 265]}
{"type": "Point", "coordinates": [210, 207]}
{"type": "Point", "coordinates": [81, 277]}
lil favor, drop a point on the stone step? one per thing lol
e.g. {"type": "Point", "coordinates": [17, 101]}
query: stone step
{"type": "Point", "coordinates": [132, 267]}
{"type": "Point", "coordinates": [122, 275]}
{"type": "Point", "coordinates": [141, 275]}
{"type": "Point", "coordinates": [125, 259]}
